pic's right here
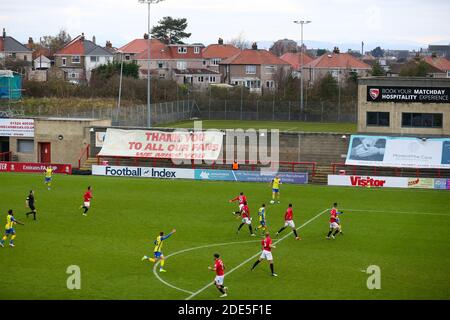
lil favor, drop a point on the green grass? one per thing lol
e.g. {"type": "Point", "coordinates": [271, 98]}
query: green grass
{"type": "Point", "coordinates": [281, 125]}
{"type": "Point", "coordinates": [406, 233]}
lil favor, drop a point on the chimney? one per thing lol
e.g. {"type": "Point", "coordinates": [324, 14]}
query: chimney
{"type": "Point", "coordinates": [336, 50]}
{"type": "Point", "coordinates": [220, 41]}
{"type": "Point", "coordinates": [146, 36]}
{"type": "Point", "coordinates": [254, 46]}
{"type": "Point", "coordinates": [30, 41]}
{"type": "Point", "coordinates": [4, 33]}
{"type": "Point", "coordinates": [82, 36]}
{"type": "Point", "coordinates": [93, 39]}
{"type": "Point", "coordinates": [108, 44]}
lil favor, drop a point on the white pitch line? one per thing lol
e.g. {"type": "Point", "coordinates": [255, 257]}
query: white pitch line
{"type": "Point", "coordinates": [255, 255]}
{"type": "Point", "coordinates": [401, 212]}
{"type": "Point", "coordinates": [191, 249]}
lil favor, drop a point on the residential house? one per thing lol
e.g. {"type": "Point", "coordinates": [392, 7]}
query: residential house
{"type": "Point", "coordinates": [129, 51]}
{"type": "Point", "coordinates": [255, 69]}
{"type": "Point", "coordinates": [79, 57]}
{"type": "Point", "coordinates": [440, 63]}
{"type": "Point", "coordinates": [295, 59]}
{"type": "Point", "coordinates": [436, 67]}
{"type": "Point", "coordinates": [12, 49]}
{"type": "Point", "coordinates": [182, 63]}
{"type": "Point", "coordinates": [216, 53]}
{"type": "Point", "coordinates": [339, 65]}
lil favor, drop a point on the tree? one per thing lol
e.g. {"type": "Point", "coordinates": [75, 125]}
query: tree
{"type": "Point", "coordinates": [377, 52]}
{"type": "Point", "coordinates": [240, 42]}
{"type": "Point", "coordinates": [321, 52]}
{"type": "Point", "coordinates": [415, 70]}
{"type": "Point", "coordinates": [55, 43]}
{"type": "Point", "coordinates": [377, 70]}
{"type": "Point", "coordinates": [280, 47]}
{"type": "Point", "coordinates": [170, 30]}
{"type": "Point", "coordinates": [106, 71]}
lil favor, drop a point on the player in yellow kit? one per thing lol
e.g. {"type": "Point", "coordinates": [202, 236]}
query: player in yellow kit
{"type": "Point", "coordinates": [48, 177]}
{"type": "Point", "coordinates": [9, 229]}
{"type": "Point", "coordinates": [262, 219]}
{"type": "Point", "coordinates": [157, 252]}
{"type": "Point", "coordinates": [275, 189]}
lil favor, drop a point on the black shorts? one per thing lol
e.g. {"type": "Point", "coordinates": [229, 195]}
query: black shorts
{"type": "Point", "coordinates": [32, 208]}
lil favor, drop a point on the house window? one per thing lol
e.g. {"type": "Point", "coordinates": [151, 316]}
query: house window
{"type": "Point", "coordinates": [200, 79]}
{"type": "Point", "coordinates": [216, 62]}
{"type": "Point", "coordinates": [377, 119]}
{"type": "Point", "coordinates": [25, 58]}
{"type": "Point", "coordinates": [250, 69]}
{"type": "Point", "coordinates": [182, 50]}
{"type": "Point", "coordinates": [13, 55]}
{"type": "Point", "coordinates": [162, 75]}
{"type": "Point", "coordinates": [448, 74]}
{"type": "Point", "coordinates": [73, 75]}
{"type": "Point", "coordinates": [127, 57]}
{"type": "Point", "coordinates": [160, 64]}
{"type": "Point", "coordinates": [25, 146]}
{"type": "Point", "coordinates": [94, 59]}
{"type": "Point", "coordinates": [181, 65]}
{"type": "Point", "coordinates": [196, 50]}
{"type": "Point", "coordinates": [335, 73]}
{"type": "Point", "coordinates": [212, 79]}
{"type": "Point", "coordinates": [271, 69]}
{"type": "Point", "coordinates": [64, 61]}
{"type": "Point", "coordinates": [76, 59]}
{"type": "Point", "coordinates": [270, 84]}
{"type": "Point", "coordinates": [421, 120]}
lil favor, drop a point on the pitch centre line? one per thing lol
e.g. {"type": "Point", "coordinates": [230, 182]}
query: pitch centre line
{"type": "Point", "coordinates": [255, 255]}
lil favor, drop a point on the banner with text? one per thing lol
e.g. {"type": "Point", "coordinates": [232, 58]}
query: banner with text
{"type": "Point", "coordinates": [388, 182]}
{"type": "Point", "coordinates": [408, 94]}
{"type": "Point", "coordinates": [205, 145]}
{"type": "Point", "coordinates": [143, 172]}
{"type": "Point", "coordinates": [251, 176]}
{"type": "Point", "coordinates": [17, 128]}
{"type": "Point", "coordinates": [406, 152]}
{"type": "Point", "coordinates": [34, 167]}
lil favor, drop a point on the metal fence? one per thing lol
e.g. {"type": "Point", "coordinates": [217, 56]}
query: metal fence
{"type": "Point", "coordinates": [209, 109]}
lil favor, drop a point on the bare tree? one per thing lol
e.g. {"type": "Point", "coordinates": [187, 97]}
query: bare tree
{"type": "Point", "coordinates": [240, 42]}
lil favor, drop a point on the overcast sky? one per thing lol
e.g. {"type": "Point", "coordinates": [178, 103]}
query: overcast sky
{"type": "Point", "coordinates": [336, 21]}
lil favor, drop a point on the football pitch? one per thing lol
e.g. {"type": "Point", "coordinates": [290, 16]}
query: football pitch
{"type": "Point", "coordinates": [406, 233]}
{"type": "Point", "coordinates": [280, 125]}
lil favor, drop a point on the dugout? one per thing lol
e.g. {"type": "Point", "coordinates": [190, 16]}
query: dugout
{"type": "Point", "coordinates": [404, 106]}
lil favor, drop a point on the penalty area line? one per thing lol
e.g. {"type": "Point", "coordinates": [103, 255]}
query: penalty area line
{"type": "Point", "coordinates": [255, 255]}
{"type": "Point", "coordinates": [399, 212]}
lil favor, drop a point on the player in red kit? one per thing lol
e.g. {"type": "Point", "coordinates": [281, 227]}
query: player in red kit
{"type": "Point", "coordinates": [241, 199]}
{"type": "Point", "coordinates": [219, 268]}
{"type": "Point", "coordinates": [335, 226]}
{"type": "Point", "coordinates": [87, 200]}
{"type": "Point", "coordinates": [246, 220]}
{"type": "Point", "coordinates": [289, 222]}
{"type": "Point", "coordinates": [266, 253]}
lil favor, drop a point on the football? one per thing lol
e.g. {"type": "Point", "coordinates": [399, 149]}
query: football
{"type": "Point", "coordinates": [272, 201]}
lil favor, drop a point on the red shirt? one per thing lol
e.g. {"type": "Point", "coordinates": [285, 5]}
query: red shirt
{"type": "Point", "coordinates": [240, 198]}
{"type": "Point", "coordinates": [289, 214]}
{"type": "Point", "coordinates": [266, 242]}
{"type": "Point", "coordinates": [245, 212]}
{"type": "Point", "coordinates": [87, 196]}
{"type": "Point", "coordinates": [333, 215]}
{"type": "Point", "coordinates": [219, 267]}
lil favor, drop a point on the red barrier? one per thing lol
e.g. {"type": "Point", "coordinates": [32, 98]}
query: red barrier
{"type": "Point", "coordinates": [34, 167]}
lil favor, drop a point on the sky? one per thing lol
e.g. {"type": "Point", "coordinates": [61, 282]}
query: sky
{"type": "Point", "coordinates": [389, 23]}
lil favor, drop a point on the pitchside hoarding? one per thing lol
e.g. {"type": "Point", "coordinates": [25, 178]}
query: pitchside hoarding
{"type": "Point", "coordinates": [204, 145]}
{"type": "Point", "coordinates": [408, 94]}
{"type": "Point", "coordinates": [34, 167]}
{"type": "Point", "coordinates": [198, 174]}
{"type": "Point", "coordinates": [388, 182]}
{"type": "Point", "coordinates": [17, 128]}
{"type": "Point", "coordinates": [406, 152]}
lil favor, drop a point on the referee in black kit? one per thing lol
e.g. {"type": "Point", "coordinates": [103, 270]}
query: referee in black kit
{"type": "Point", "coordinates": [30, 204]}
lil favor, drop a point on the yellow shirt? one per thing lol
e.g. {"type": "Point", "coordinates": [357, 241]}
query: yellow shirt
{"type": "Point", "coordinates": [159, 243]}
{"type": "Point", "coordinates": [48, 172]}
{"type": "Point", "coordinates": [10, 222]}
{"type": "Point", "coordinates": [276, 183]}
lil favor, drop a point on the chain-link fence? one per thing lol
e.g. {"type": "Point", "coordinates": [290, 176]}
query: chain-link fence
{"type": "Point", "coordinates": [208, 109]}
